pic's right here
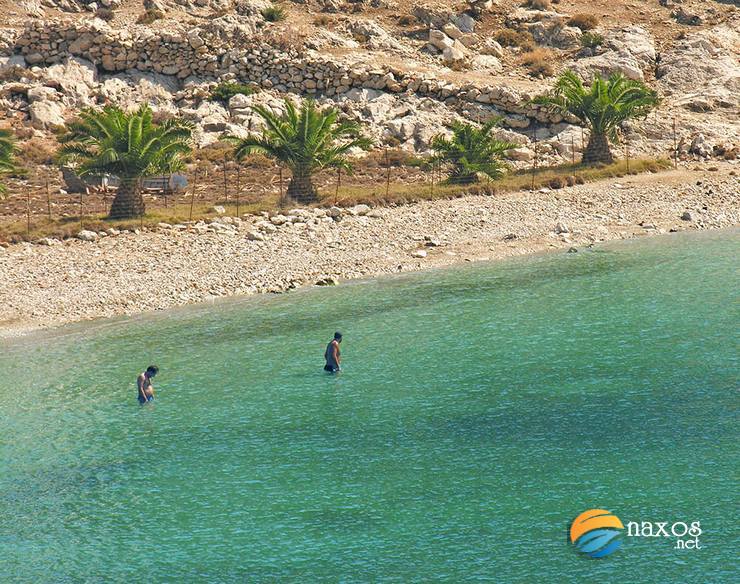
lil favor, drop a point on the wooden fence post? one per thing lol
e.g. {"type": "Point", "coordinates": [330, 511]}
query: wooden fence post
{"type": "Point", "coordinates": [28, 213]}
{"type": "Point", "coordinates": [192, 194]}
{"type": "Point", "coordinates": [282, 200]}
{"type": "Point", "coordinates": [339, 182]}
{"type": "Point", "coordinates": [48, 197]}
{"type": "Point", "coordinates": [238, 186]}
{"type": "Point", "coordinates": [388, 173]}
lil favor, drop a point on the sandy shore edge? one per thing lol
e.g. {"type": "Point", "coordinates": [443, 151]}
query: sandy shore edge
{"type": "Point", "coordinates": [46, 286]}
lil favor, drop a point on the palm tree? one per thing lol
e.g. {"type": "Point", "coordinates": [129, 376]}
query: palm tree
{"type": "Point", "coordinates": [306, 141]}
{"type": "Point", "coordinates": [601, 108]}
{"type": "Point", "coordinates": [128, 145]}
{"type": "Point", "coordinates": [7, 154]}
{"type": "Point", "coordinates": [470, 152]}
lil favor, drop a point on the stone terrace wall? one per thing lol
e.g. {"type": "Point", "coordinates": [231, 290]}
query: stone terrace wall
{"type": "Point", "coordinates": [225, 49]}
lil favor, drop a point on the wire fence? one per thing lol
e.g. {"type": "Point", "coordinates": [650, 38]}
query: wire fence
{"type": "Point", "coordinates": [47, 200]}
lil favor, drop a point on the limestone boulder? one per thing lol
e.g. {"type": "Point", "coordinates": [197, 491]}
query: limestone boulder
{"type": "Point", "coordinates": [46, 115]}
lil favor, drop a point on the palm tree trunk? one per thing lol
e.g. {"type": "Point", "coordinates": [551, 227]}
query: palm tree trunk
{"type": "Point", "coordinates": [598, 150]}
{"type": "Point", "coordinates": [301, 187]}
{"type": "Point", "coordinates": [128, 202]}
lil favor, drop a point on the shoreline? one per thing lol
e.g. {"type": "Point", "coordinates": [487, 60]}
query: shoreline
{"type": "Point", "coordinates": [43, 287]}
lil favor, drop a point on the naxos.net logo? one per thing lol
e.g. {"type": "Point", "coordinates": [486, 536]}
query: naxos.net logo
{"type": "Point", "coordinates": [597, 533]}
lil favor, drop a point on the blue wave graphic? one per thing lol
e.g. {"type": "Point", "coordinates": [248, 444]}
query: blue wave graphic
{"type": "Point", "coordinates": [598, 543]}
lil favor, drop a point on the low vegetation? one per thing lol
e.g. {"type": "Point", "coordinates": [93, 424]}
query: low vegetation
{"type": "Point", "coordinates": [538, 4]}
{"type": "Point", "coordinates": [583, 21]}
{"type": "Point", "coordinates": [149, 16]}
{"type": "Point", "coordinates": [508, 37]}
{"type": "Point", "coordinates": [178, 210]}
{"type": "Point", "coordinates": [7, 155]}
{"type": "Point", "coordinates": [274, 14]}
{"type": "Point", "coordinates": [591, 40]}
{"type": "Point", "coordinates": [539, 62]}
{"type": "Point", "coordinates": [224, 91]}
{"type": "Point", "coordinates": [520, 180]}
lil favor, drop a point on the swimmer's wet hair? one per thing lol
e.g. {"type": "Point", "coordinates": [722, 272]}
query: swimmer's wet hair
{"type": "Point", "coordinates": [152, 370]}
{"type": "Point", "coordinates": [338, 335]}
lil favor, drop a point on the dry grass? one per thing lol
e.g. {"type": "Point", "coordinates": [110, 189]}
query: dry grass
{"type": "Point", "coordinates": [150, 16]}
{"type": "Point", "coordinates": [583, 21]}
{"type": "Point", "coordinates": [538, 4]}
{"type": "Point", "coordinates": [508, 37]}
{"type": "Point", "coordinates": [178, 210]}
{"type": "Point", "coordinates": [37, 151]}
{"type": "Point", "coordinates": [539, 62]}
{"type": "Point", "coordinates": [548, 177]}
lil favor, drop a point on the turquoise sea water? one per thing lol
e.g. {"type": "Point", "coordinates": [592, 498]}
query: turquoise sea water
{"type": "Point", "coordinates": [481, 409]}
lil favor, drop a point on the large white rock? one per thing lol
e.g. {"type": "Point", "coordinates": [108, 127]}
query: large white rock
{"type": "Point", "coordinates": [46, 115]}
{"type": "Point", "coordinates": [440, 40]}
{"type": "Point", "coordinates": [631, 50]}
{"type": "Point", "coordinates": [487, 63]}
{"type": "Point", "coordinates": [42, 93]}
{"type": "Point", "coordinates": [86, 235]}
{"type": "Point", "coordinates": [75, 77]}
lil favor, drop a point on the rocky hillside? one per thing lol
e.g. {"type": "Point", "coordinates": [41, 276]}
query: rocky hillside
{"type": "Point", "coordinates": [406, 70]}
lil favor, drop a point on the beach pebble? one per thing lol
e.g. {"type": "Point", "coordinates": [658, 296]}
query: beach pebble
{"type": "Point", "coordinates": [86, 235]}
{"type": "Point", "coordinates": [255, 236]}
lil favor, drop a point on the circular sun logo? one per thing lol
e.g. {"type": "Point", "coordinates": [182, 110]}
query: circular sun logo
{"type": "Point", "coordinates": [596, 532]}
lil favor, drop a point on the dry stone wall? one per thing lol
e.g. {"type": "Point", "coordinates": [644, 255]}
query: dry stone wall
{"type": "Point", "coordinates": [230, 48]}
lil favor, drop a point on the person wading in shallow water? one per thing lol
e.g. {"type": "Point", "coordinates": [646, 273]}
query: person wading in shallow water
{"type": "Point", "coordinates": [332, 355]}
{"type": "Point", "coordinates": [144, 384]}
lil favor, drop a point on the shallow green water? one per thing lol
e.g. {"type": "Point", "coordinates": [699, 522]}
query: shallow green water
{"type": "Point", "coordinates": [481, 410]}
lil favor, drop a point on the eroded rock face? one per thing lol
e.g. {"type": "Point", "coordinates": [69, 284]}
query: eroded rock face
{"type": "Point", "coordinates": [64, 66]}
{"type": "Point", "coordinates": [702, 72]}
{"type": "Point", "coordinates": [630, 51]}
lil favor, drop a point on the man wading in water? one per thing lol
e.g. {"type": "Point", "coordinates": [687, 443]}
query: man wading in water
{"type": "Point", "coordinates": [144, 384]}
{"type": "Point", "coordinates": [332, 355]}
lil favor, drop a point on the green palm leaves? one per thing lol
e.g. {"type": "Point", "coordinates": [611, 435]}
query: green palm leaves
{"type": "Point", "coordinates": [306, 140]}
{"type": "Point", "coordinates": [7, 154]}
{"type": "Point", "coordinates": [602, 107]}
{"type": "Point", "coordinates": [130, 146]}
{"type": "Point", "coordinates": [471, 151]}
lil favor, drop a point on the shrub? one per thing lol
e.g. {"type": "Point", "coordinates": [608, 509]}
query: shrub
{"type": "Point", "coordinates": [224, 91]}
{"type": "Point", "coordinates": [591, 40]}
{"type": "Point", "coordinates": [150, 16]}
{"type": "Point", "coordinates": [274, 14]}
{"type": "Point", "coordinates": [538, 4]}
{"type": "Point", "coordinates": [538, 62]}
{"type": "Point", "coordinates": [558, 182]}
{"type": "Point", "coordinates": [507, 37]}
{"type": "Point", "coordinates": [37, 151]}
{"type": "Point", "coordinates": [585, 22]}
{"type": "Point", "coordinates": [105, 14]}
